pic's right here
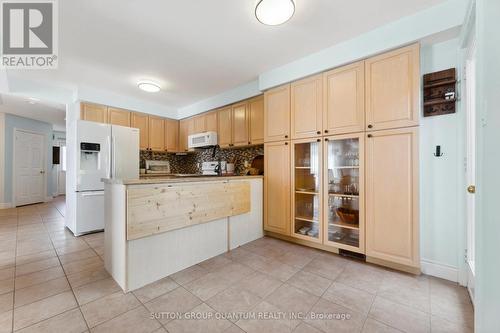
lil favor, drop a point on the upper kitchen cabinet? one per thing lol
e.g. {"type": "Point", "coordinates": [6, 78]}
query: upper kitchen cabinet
{"type": "Point", "coordinates": [156, 133]}
{"type": "Point", "coordinates": [240, 121]}
{"type": "Point", "coordinates": [392, 89]}
{"type": "Point", "coordinates": [344, 99]}
{"type": "Point", "coordinates": [307, 107]}
{"type": "Point", "coordinates": [171, 135]}
{"type": "Point", "coordinates": [183, 134]}
{"type": "Point", "coordinates": [225, 125]}
{"type": "Point", "coordinates": [392, 228]}
{"type": "Point", "coordinates": [200, 124]}
{"type": "Point", "coordinates": [94, 112]}
{"type": "Point", "coordinates": [277, 187]}
{"type": "Point", "coordinates": [277, 114]}
{"type": "Point", "coordinates": [256, 114]}
{"type": "Point", "coordinates": [211, 121]}
{"type": "Point", "coordinates": [118, 117]}
{"type": "Point", "coordinates": [140, 121]}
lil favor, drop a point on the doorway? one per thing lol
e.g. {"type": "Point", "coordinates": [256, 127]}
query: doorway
{"type": "Point", "coordinates": [29, 167]}
{"type": "Point", "coordinates": [470, 104]}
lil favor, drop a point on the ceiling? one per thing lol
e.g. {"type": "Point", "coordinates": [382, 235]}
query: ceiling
{"type": "Point", "coordinates": [197, 49]}
{"type": "Point", "coordinates": [48, 112]}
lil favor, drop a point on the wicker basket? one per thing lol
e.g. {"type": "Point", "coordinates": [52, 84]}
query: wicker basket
{"type": "Point", "coordinates": [347, 215]}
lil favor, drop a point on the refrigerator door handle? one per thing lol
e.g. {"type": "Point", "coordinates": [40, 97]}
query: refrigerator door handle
{"type": "Point", "coordinates": [113, 154]}
{"type": "Point", "coordinates": [109, 157]}
{"type": "Point", "coordinates": [93, 194]}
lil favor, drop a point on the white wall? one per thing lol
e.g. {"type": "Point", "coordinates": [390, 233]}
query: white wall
{"type": "Point", "coordinates": [442, 222]}
{"type": "Point", "coordinates": [3, 204]}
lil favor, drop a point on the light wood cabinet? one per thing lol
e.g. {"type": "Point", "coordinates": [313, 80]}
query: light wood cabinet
{"type": "Point", "coordinates": [211, 121]}
{"type": "Point", "coordinates": [240, 124]}
{"type": "Point", "coordinates": [225, 127]}
{"type": "Point", "coordinates": [344, 99]}
{"type": "Point", "coordinates": [171, 135]}
{"type": "Point", "coordinates": [199, 124]}
{"type": "Point", "coordinates": [256, 114]}
{"type": "Point", "coordinates": [277, 114]}
{"type": "Point", "coordinates": [392, 89]}
{"type": "Point", "coordinates": [307, 107]}
{"type": "Point", "coordinates": [183, 135]}
{"type": "Point", "coordinates": [156, 133]}
{"type": "Point", "coordinates": [94, 112]}
{"type": "Point", "coordinates": [140, 121]}
{"type": "Point", "coordinates": [277, 187]}
{"type": "Point", "coordinates": [392, 228]}
{"type": "Point", "coordinates": [118, 117]}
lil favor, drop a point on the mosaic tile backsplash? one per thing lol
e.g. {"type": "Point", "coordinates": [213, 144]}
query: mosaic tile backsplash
{"type": "Point", "coordinates": [191, 163]}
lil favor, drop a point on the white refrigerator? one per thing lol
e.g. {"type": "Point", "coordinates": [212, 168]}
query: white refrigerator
{"type": "Point", "coordinates": [100, 151]}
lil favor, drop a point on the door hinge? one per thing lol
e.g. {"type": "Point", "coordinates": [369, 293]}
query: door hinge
{"type": "Point", "coordinates": [465, 256]}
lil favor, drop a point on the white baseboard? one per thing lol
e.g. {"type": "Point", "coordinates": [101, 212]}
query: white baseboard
{"type": "Point", "coordinates": [5, 205]}
{"type": "Point", "coordinates": [439, 270]}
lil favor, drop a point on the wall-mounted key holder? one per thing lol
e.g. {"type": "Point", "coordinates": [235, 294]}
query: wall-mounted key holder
{"type": "Point", "coordinates": [440, 93]}
{"type": "Point", "coordinates": [438, 152]}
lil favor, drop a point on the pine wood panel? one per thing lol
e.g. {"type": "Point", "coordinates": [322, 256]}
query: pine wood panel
{"type": "Point", "coordinates": [307, 107]}
{"type": "Point", "coordinates": [199, 124]}
{"type": "Point", "coordinates": [183, 135]}
{"type": "Point", "coordinates": [277, 114]}
{"type": "Point", "coordinates": [94, 112]}
{"type": "Point", "coordinates": [240, 124]}
{"type": "Point", "coordinates": [225, 127]}
{"type": "Point", "coordinates": [171, 135]}
{"type": "Point", "coordinates": [153, 210]}
{"type": "Point", "coordinates": [140, 121]}
{"type": "Point", "coordinates": [344, 99]}
{"type": "Point", "coordinates": [277, 187]}
{"type": "Point", "coordinates": [118, 117]}
{"type": "Point", "coordinates": [211, 121]}
{"type": "Point", "coordinates": [156, 133]}
{"type": "Point", "coordinates": [256, 114]}
{"type": "Point", "coordinates": [393, 89]}
{"type": "Point", "coordinates": [392, 226]}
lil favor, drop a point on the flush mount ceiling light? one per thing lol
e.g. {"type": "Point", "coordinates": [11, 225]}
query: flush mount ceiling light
{"type": "Point", "coordinates": [274, 12]}
{"type": "Point", "coordinates": [148, 86]}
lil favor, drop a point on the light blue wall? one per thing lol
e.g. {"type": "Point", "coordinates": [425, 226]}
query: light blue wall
{"type": "Point", "coordinates": [12, 122]}
{"type": "Point", "coordinates": [441, 214]}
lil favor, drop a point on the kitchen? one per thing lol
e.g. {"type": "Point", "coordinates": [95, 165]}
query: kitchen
{"type": "Point", "coordinates": [309, 183]}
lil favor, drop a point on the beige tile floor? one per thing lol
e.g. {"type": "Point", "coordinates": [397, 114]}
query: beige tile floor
{"type": "Point", "coordinates": [51, 281]}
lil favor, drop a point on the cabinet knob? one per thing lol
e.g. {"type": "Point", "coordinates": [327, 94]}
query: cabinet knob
{"type": "Point", "coordinates": [286, 143]}
{"type": "Point", "coordinates": [286, 136]}
{"type": "Point", "coordinates": [370, 126]}
{"type": "Point", "coordinates": [318, 132]}
{"type": "Point", "coordinates": [369, 135]}
{"type": "Point", "coordinates": [326, 139]}
{"type": "Point", "coordinates": [249, 142]}
{"type": "Point", "coordinates": [318, 140]}
{"type": "Point", "coordinates": [326, 131]}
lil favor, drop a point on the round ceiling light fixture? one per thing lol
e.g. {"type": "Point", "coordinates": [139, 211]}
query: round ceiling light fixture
{"type": "Point", "coordinates": [149, 86]}
{"type": "Point", "coordinates": [274, 12]}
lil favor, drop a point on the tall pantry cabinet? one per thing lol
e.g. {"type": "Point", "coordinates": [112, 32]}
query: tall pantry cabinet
{"type": "Point", "coordinates": [343, 145]}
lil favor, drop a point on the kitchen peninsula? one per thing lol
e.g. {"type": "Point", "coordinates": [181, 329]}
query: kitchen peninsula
{"type": "Point", "coordinates": [158, 226]}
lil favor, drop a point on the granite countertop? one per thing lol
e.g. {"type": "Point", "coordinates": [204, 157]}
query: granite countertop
{"type": "Point", "coordinates": [148, 179]}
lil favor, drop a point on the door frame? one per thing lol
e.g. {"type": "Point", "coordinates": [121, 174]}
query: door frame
{"type": "Point", "coordinates": [44, 159]}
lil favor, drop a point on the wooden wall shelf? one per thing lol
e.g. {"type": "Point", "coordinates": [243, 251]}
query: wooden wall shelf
{"type": "Point", "coordinates": [436, 86]}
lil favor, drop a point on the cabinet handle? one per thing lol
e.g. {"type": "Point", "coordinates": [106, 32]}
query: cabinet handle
{"type": "Point", "coordinates": [286, 136]}
{"type": "Point", "coordinates": [318, 140]}
{"type": "Point", "coordinates": [326, 139]}
{"type": "Point", "coordinates": [318, 132]}
{"type": "Point", "coordinates": [369, 135]}
{"type": "Point", "coordinates": [326, 131]}
{"type": "Point", "coordinates": [286, 143]}
{"type": "Point", "coordinates": [370, 126]}
{"type": "Point", "coordinates": [249, 142]}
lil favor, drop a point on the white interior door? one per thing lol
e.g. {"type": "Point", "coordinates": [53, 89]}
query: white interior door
{"type": "Point", "coordinates": [29, 167]}
{"type": "Point", "coordinates": [470, 92]}
{"type": "Point", "coordinates": [61, 172]}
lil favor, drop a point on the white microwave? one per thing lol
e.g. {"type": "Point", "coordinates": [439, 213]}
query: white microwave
{"type": "Point", "coordinates": [205, 139]}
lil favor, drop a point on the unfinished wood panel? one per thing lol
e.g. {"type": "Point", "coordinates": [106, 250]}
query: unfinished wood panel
{"type": "Point", "coordinates": [392, 226]}
{"type": "Point", "coordinates": [94, 112]}
{"type": "Point", "coordinates": [140, 121]}
{"type": "Point", "coordinates": [119, 117]}
{"type": "Point", "coordinates": [171, 135]}
{"type": "Point", "coordinates": [225, 127]}
{"type": "Point", "coordinates": [344, 99]}
{"type": "Point", "coordinates": [277, 114]}
{"type": "Point", "coordinates": [156, 133]}
{"type": "Point", "coordinates": [200, 124]}
{"type": "Point", "coordinates": [307, 107]}
{"type": "Point", "coordinates": [277, 187]}
{"type": "Point", "coordinates": [211, 121]}
{"type": "Point", "coordinates": [256, 114]}
{"type": "Point", "coordinates": [393, 89]}
{"type": "Point", "coordinates": [183, 135]}
{"type": "Point", "coordinates": [157, 209]}
{"type": "Point", "coordinates": [240, 124]}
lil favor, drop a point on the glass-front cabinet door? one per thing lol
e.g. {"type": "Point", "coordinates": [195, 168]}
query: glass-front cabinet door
{"type": "Point", "coordinates": [307, 189]}
{"type": "Point", "coordinates": [344, 196]}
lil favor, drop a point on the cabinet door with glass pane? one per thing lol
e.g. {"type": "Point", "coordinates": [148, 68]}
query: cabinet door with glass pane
{"type": "Point", "coordinates": [307, 189]}
{"type": "Point", "coordinates": [344, 192]}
